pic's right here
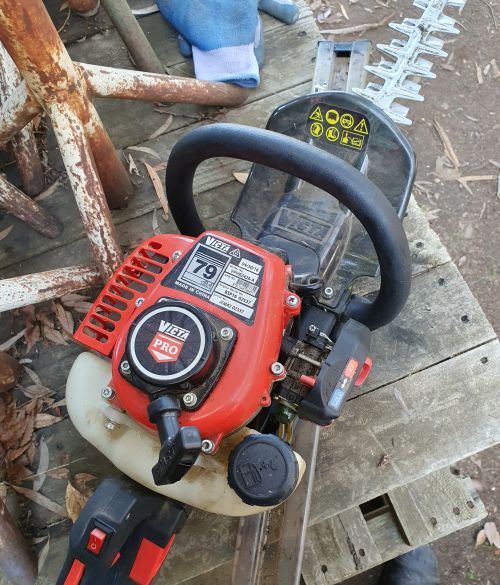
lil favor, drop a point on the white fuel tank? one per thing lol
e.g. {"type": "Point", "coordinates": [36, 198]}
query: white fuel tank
{"type": "Point", "coordinates": [134, 450]}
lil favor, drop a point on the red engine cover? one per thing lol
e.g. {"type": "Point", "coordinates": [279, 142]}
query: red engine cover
{"type": "Point", "coordinates": [245, 383]}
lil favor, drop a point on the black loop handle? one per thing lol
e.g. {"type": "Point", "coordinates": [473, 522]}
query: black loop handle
{"type": "Point", "coordinates": [317, 167]}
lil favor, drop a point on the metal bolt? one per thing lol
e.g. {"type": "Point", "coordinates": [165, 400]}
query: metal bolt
{"type": "Point", "coordinates": [107, 393]}
{"type": "Point", "coordinates": [226, 333]}
{"type": "Point", "coordinates": [176, 255]}
{"type": "Point", "coordinates": [292, 301]}
{"type": "Point", "coordinates": [190, 399]}
{"type": "Point", "coordinates": [328, 292]}
{"type": "Point", "coordinates": [207, 446]}
{"type": "Point", "coordinates": [277, 369]}
{"type": "Point", "coordinates": [312, 328]}
{"type": "Point", "coordinates": [139, 301]}
{"type": "Point", "coordinates": [110, 425]}
{"type": "Point", "coordinates": [125, 367]}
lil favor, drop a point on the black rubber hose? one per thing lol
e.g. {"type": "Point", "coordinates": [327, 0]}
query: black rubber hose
{"type": "Point", "coordinates": [317, 167]}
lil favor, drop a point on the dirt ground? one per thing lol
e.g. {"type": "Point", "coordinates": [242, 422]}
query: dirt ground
{"type": "Point", "coordinates": [464, 100]}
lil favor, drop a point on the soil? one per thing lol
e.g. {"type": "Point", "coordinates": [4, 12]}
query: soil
{"type": "Point", "coordinates": [464, 100]}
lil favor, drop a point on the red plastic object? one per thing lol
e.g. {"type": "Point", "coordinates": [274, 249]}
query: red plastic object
{"type": "Point", "coordinates": [363, 374]}
{"type": "Point", "coordinates": [96, 541]}
{"type": "Point", "coordinates": [244, 386]}
{"type": "Point", "coordinates": [148, 561]}
{"type": "Point", "coordinates": [75, 573]}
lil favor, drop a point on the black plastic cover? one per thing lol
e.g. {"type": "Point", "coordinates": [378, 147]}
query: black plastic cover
{"type": "Point", "coordinates": [263, 470]}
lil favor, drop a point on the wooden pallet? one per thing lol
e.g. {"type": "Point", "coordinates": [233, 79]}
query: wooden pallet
{"type": "Point", "coordinates": [431, 398]}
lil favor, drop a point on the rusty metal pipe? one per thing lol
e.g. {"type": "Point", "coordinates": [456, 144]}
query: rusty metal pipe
{"type": "Point", "coordinates": [16, 112]}
{"type": "Point", "coordinates": [133, 36]}
{"type": "Point", "coordinates": [114, 177]}
{"type": "Point", "coordinates": [27, 210]}
{"type": "Point", "coordinates": [42, 286]}
{"type": "Point", "coordinates": [84, 7]}
{"type": "Point", "coordinates": [136, 85]}
{"type": "Point", "coordinates": [89, 194]}
{"type": "Point", "coordinates": [32, 41]}
{"type": "Point", "coordinates": [24, 143]}
{"type": "Point", "coordinates": [17, 562]}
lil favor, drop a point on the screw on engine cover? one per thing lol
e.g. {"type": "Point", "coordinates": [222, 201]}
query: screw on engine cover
{"type": "Point", "coordinates": [277, 369]}
{"type": "Point", "coordinates": [107, 393]}
{"type": "Point", "coordinates": [312, 328]}
{"type": "Point", "coordinates": [292, 301]}
{"type": "Point", "coordinates": [176, 255]}
{"type": "Point", "coordinates": [207, 446]}
{"type": "Point", "coordinates": [125, 367]}
{"type": "Point", "coordinates": [139, 301]}
{"type": "Point", "coordinates": [190, 399]}
{"type": "Point", "coordinates": [226, 333]}
{"type": "Point", "coordinates": [328, 292]}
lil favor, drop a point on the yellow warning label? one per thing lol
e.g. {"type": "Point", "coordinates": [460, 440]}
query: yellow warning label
{"type": "Point", "coordinates": [332, 116]}
{"type": "Point", "coordinates": [316, 115]}
{"type": "Point", "coordinates": [332, 134]}
{"type": "Point", "coordinates": [352, 140]}
{"type": "Point", "coordinates": [362, 128]}
{"type": "Point", "coordinates": [347, 121]}
{"type": "Point", "coordinates": [316, 129]}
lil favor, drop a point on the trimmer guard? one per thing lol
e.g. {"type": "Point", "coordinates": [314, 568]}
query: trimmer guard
{"type": "Point", "coordinates": [319, 235]}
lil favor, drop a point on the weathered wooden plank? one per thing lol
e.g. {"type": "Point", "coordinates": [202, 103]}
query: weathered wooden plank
{"type": "Point", "coordinates": [429, 508]}
{"type": "Point", "coordinates": [435, 503]}
{"type": "Point", "coordinates": [212, 174]}
{"type": "Point", "coordinates": [442, 318]}
{"type": "Point", "coordinates": [289, 54]}
{"type": "Point", "coordinates": [408, 429]}
{"type": "Point", "coordinates": [344, 541]}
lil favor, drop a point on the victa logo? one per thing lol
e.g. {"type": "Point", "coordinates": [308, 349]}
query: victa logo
{"type": "Point", "coordinates": [168, 342]}
{"type": "Point", "coordinates": [218, 244]}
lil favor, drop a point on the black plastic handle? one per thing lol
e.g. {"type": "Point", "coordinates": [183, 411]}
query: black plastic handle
{"type": "Point", "coordinates": [317, 167]}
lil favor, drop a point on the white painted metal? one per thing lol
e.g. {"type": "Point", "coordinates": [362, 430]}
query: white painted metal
{"type": "Point", "coordinates": [408, 62]}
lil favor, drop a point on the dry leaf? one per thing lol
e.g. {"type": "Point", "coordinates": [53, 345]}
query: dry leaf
{"type": "Point", "coordinates": [50, 333]}
{"type": "Point", "coordinates": [58, 473]}
{"type": "Point", "coordinates": [72, 299]}
{"type": "Point", "coordinates": [65, 318]}
{"type": "Point", "coordinates": [44, 420]}
{"type": "Point", "coordinates": [75, 502]}
{"type": "Point", "coordinates": [42, 557]}
{"type": "Point", "coordinates": [146, 150]}
{"type": "Point", "coordinates": [161, 167]}
{"type": "Point", "coordinates": [48, 192]}
{"type": "Point", "coordinates": [43, 465]}
{"type": "Point", "coordinates": [4, 233]}
{"type": "Point", "coordinates": [481, 537]}
{"type": "Point", "coordinates": [3, 491]}
{"type": "Point", "coordinates": [64, 6]}
{"type": "Point", "coordinates": [12, 341]}
{"type": "Point", "coordinates": [241, 177]}
{"type": "Point", "coordinates": [81, 480]}
{"type": "Point", "coordinates": [448, 148]}
{"type": "Point", "coordinates": [158, 187]}
{"type": "Point", "coordinates": [59, 403]}
{"type": "Point", "coordinates": [163, 128]}
{"type": "Point", "coordinates": [41, 500]}
{"type": "Point", "coordinates": [492, 534]}
{"type": "Point", "coordinates": [132, 167]}
{"type": "Point", "coordinates": [154, 223]}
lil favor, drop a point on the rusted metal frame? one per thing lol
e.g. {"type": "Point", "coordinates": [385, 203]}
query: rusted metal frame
{"type": "Point", "coordinates": [43, 286]}
{"type": "Point", "coordinates": [87, 188]}
{"type": "Point", "coordinates": [42, 59]}
{"type": "Point", "coordinates": [133, 36]}
{"type": "Point", "coordinates": [24, 208]}
{"type": "Point", "coordinates": [108, 82]}
{"type": "Point", "coordinates": [84, 7]}
{"type": "Point", "coordinates": [16, 112]}
{"type": "Point", "coordinates": [17, 561]}
{"type": "Point", "coordinates": [24, 143]}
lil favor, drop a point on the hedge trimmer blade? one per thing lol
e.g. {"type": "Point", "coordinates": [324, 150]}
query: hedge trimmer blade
{"type": "Point", "coordinates": [407, 60]}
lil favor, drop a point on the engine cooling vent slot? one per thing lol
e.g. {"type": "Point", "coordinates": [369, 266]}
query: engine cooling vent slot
{"type": "Point", "coordinates": [135, 278]}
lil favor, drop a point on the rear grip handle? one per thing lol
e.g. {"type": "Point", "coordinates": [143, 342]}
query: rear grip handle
{"type": "Point", "coordinates": [317, 167]}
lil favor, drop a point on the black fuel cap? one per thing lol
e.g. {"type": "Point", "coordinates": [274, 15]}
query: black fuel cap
{"type": "Point", "coordinates": [170, 342]}
{"type": "Point", "coordinates": [263, 470]}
